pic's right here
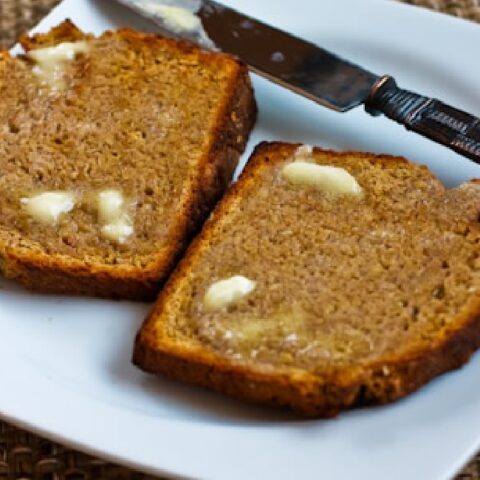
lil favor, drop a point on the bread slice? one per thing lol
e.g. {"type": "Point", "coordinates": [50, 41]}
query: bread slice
{"type": "Point", "coordinates": [349, 298]}
{"type": "Point", "coordinates": [158, 122]}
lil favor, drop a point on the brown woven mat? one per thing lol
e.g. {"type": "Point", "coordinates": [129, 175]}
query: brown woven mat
{"type": "Point", "coordinates": [24, 456]}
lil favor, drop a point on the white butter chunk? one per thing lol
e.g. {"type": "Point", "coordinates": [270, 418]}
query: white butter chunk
{"type": "Point", "coordinates": [47, 207]}
{"type": "Point", "coordinates": [112, 209]}
{"type": "Point", "coordinates": [50, 61]}
{"type": "Point", "coordinates": [58, 53]}
{"type": "Point", "coordinates": [225, 292]}
{"type": "Point", "coordinates": [111, 205]}
{"type": "Point", "coordinates": [178, 19]}
{"type": "Point", "coordinates": [118, 231]}
{"type": "Point", "coordinates": [327, 178]}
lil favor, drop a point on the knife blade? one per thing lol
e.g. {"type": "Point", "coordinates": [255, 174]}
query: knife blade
{"type": "Point", "coordinates": [312, 71]}
{"type": "Point", "coordinates": [283, 58]}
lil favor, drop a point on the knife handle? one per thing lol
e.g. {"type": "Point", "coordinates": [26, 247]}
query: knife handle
{"type": "Point", "coordinates": [433, 119]}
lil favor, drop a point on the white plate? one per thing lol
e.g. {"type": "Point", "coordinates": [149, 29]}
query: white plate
{"type": "Point", "coordinates": [65, 362]}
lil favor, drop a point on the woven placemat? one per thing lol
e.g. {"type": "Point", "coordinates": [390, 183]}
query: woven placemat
{"type": "Point", "coordinates": [24, 456]}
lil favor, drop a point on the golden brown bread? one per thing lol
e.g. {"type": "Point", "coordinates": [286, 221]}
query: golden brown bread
{"type": "Point", "coordinates": [159, 120]}
{"type": "Point", "coordinates": [358, 300]}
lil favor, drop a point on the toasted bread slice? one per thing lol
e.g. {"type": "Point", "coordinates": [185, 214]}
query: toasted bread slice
{"type": "Point", "coordinates": [320, 292]}
{"type": "Point", "coordinates": [112, 152]}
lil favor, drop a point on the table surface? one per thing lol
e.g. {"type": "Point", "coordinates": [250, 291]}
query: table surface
{"type": "Point", "coordinates": [24, 456]}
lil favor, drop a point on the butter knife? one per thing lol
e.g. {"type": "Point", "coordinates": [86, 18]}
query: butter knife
{"type": "Point", "coordinates": [312, 71]}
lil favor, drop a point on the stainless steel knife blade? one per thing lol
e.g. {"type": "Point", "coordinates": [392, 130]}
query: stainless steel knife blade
{"type": "Point", "coordinates": [311, 71]}
{"type": "Point", "coordinates": [283, 58]}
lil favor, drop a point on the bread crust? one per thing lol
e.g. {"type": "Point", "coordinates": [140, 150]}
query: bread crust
{"type": "Point", "coordinates": [322, 395]}
{"type": "Point", "coordinates": [235, 119]}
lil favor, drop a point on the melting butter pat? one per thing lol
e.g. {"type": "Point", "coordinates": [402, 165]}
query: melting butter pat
{"type": "Point", "coordinates": [50, 61]}
{"type": "Point", "coordinates": [178, 19]}
{"type": "Point", "coordinates": [47, 207]}
{"type": "Point", "coordinates": [225, 292]}
{"type": "Point", "coordinates": [333, 180]}
{"type": "Point", "coordinates": [110, 206]}
{"type": "Point", "coordinates": [118, 231]}
{"type": "Point", "coordinates": [113, 214]}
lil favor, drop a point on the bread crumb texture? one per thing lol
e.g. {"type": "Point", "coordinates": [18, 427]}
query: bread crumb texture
{"type": "Point", "coordinates": [348, 288]}
{"type": "Point", "coordinates": [138, 114]}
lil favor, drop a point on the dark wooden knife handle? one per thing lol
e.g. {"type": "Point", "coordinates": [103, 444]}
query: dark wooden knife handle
{"type": "Point", "coordinates": [433, 119]}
